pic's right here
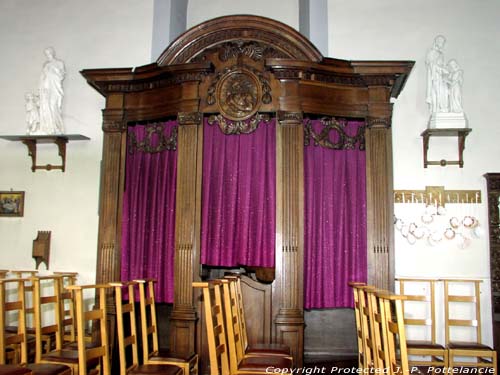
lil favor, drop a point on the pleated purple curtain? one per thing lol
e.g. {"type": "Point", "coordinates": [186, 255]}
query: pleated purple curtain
{"type": "Point", "coordinates": [239, 197]}
{"type": "Point", "coordinates": [148, 227]}
{"type": "Point", "coordinates": [335, 220]}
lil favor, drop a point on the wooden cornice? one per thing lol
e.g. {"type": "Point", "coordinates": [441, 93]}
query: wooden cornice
{"type": "Point", "coordinates": [391, 74]}
{"type": "Point", "coordinates": [145, 77]}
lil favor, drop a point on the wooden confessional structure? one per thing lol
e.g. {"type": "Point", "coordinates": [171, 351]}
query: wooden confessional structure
{"type": "Point", "coordinates": [289, 79]}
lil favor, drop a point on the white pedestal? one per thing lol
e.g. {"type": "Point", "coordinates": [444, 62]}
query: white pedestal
{"type": "Point", "coordinates": [448, 121]}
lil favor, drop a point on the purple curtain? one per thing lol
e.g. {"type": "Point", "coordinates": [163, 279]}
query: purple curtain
{"type": "Point", "coordinates": [335, 218]}
{"type": "Point", "coordinates": [239, 197]}
{"type": "Point", "coordinates": [148, 226]}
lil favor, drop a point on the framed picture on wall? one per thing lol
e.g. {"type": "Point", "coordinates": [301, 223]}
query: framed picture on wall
{"type": "Point", "coordinates": [11, 203]}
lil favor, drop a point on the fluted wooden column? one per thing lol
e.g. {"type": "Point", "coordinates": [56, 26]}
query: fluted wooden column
{"type": "Point", "coordinates": [380, 212]}
{"type": "Point", "coordinates": [111, 191]}
{"type": "Point", "coordinates": [289, 321]}
{"type": "Point", "coordinates": [187, 230]}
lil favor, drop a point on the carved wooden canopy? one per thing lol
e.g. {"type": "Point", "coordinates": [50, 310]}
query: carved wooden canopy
{"type": "Point", "coordinates": [236, 69]}
{"type": "Point", "coordinates": [260, 51]}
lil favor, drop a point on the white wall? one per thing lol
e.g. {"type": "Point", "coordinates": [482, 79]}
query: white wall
{"type": "Point", "coordinates": [403, 30]}
{"type": "Point", "coordinates": [286, 11]}
{"type": "Point", "coordinates": [85, 34]}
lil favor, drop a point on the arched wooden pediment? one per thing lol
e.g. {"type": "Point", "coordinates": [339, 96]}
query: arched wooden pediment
{"type": "Point", "coordinates": [251, 35]}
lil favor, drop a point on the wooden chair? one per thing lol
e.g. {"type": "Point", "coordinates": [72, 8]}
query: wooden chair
{"type": "Point", "coordinates": [20, 338]}
{"type": "Point", "coordinates": [367, 334]}
{"type": "Point", "coordinates": [359, 327]}
{"type": "Point", "coordinates": [238, 361]}
{"type": "Point", "coordinates": [394, 352]}
{"type": "Point", "coordinates": [87, 359]}
{"type": "Point", "coordinates": [481, 355]}
{"type": "Point", "coordinates": [420, 316]}
{"type": "Point", "coordinates": [258, 349]}
{"type": "Point", "coordinates": [125, 312]}
{"type": "Point", "coordinates": [215, 327]}
{"type": "Point", "coordinates": [152, 354]}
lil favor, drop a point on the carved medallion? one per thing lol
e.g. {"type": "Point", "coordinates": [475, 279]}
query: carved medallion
{"type": "Point", "coordinates": [238, 94]}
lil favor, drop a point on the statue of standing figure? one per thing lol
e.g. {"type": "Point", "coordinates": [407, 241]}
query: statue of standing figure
{"type": "Point", "coordinates": [51, 94]}
{"type": "Point", "coordinates": [444, 81]}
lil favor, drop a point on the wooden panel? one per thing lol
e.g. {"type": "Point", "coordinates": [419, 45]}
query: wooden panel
{"type": "Point", "coordinates": [257, 301]}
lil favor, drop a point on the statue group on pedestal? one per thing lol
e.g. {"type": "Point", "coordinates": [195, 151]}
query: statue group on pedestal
{"type": "Point", "coordinates": [44, 106]}
{"type": "Point", "coordinates": [444, 81]}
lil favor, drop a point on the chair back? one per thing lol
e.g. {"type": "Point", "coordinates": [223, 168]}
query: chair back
{"type": "Point", "coordinates": [357, 315]}
{"type": "Point", "coordinates": [67, 305]}
{"type": "Point", "coordinates": [234, 342]}
{"type": "Point", "coordinates": [98, 317]}
{"type": "Point", "coordinates": [393, 333]}
{"type": "Point", "coordinates": [470, 298]}
{"type": "Point", "coordinates": [378, 354]}
{"type": "Point", "coordinates": [13, 307]}
{"type": "Point", "coordinates": [127, 333]}
{"type": "Point", "coordinates": [149, 326]}
{"type": "Point", "coordinates": [215, 327]}
{"type": "Point", "coordinates": [46, 297]}
{"type": "Point", "coordinates": [420, 299]}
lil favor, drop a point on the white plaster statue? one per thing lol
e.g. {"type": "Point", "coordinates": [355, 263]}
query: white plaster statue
{"type": "Point", "coordinates": [51, 94]}
{"type": "Point", "coordinates": [31, 102]}
{"type": "Point", "coordinates": [437, 89]}
{"type": "Point", "coordinates": [454, 80]}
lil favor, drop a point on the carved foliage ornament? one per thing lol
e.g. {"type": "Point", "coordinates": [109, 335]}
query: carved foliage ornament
{"type": "Point", "coordinates": [230, 127]}
{"type": "Point", "coordinates": [344, 141]}
{"type": "Point", "coordinates": [155, 134]}
{"type": "Point", "coordinates": [238, 92]}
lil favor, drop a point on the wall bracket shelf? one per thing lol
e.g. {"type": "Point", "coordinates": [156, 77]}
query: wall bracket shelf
{"type": "Point", "coordinates": [460, 133]}
{"type": "Point", "coordinates": [31, 141]}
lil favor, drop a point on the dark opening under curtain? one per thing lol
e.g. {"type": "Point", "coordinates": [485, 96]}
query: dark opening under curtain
{"type": "Point", "coordinates": [239, 195]}
{"type": "Point", "coordinates": [335, 211]}
{"type": "Point", "coordinates": [148, 227]}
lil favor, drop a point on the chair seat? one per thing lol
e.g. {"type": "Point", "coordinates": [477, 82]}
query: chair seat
{"type": "Point", "coordinates": [468, 345]}
{"type": "Point", "coordinates": [74, 345]}
{"type": "Point", "coordinates": [260, 363]}
{"type": "Point", "coordinates": [416, 344]}
{"type": "Point", "coordinates": [271, 349]}
{"type": "Point", "coordinates": [166, 354]}
{"type": "Point", "coordinates": [49, 369]}
{"type": "Point", "coordinates": [13, 370]}
{"type": "Point", "coordinates": [67, 356]}
{"type": "Point", "coordinates": [155, 369]}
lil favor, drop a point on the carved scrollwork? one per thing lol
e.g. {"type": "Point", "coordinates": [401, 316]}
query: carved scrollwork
{"type": "Point", "coordinates": [153, 131]}
{"type": "Point", "coordinates": [344, 140]}
{"type": "Point", "coordinates": [283, 48]}
{"type": "Point", "coordinates": [230, 127]}
{"type": "Point", "coordinates": [253, 50]}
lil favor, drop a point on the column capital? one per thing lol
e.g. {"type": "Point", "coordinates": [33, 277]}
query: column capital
{"type": "Point", "coordinates": [289, 118]}
{"type": "Point", "coordinates": [113, 121]}
{"type": "Point", "coordinates": [379, 122]}
{"type": "Point", "coordinates": [189, 118]}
